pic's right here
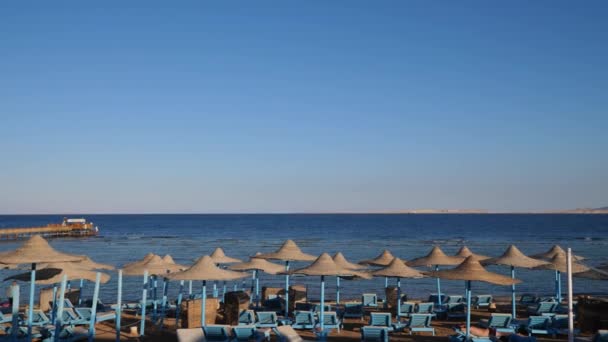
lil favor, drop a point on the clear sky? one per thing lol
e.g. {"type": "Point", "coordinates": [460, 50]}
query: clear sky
{"type": "Point", "coordinates": [299, 106]}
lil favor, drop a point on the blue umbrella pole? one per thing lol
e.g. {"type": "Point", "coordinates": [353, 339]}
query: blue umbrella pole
{"type": "Point", "coordinates": [468, 309]}
{"type": "Point", "coordinates": [144, 297]}
{"type": "Point", "coordinates": [438, 287]}
{"type": "Point", "coordinates": [179, 303]}
{"type": "Point", "coordinates": [30, 311]}
{"type": "Point", "coordinates": [513, 303]}
{"type": "Point", "coordinates": [118, 306]}
{"type": "Point", "coordinates": [286, 289]}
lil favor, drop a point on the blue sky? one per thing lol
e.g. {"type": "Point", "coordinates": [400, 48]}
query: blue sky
{"type": "Point", "coordinates": [285, 106]}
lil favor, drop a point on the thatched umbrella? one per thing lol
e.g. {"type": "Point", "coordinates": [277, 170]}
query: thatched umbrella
{"type": "Point", "coordinates": [465, 252]}
{"type": "Point", "coordinates": [471, 270]}
{"type": "Point", "coordinates": [558, 264]}
{"type": "Point", "coordinates": [205, 269]}
{"type": "Point", "coordinates": [436, 257]}
{"type": "Point", "coordinates": [592, 273]}
{"type": "Point", "coordinates": [256, 265]}
{"type": "Point", "coordinates": [325, 266]}
{"type": "Point", "coordinates": [398, 269]}
{"type": "Point", "coordinates": [221, 258]}
{"type": "Point", "coordinates": [383, 259]}
{"type": "Point", "coordinates": [34, 251]}
{"type": "Point", "coordinates": [289, 251]}
{"type": "Point", "coordinates": [341, 261]}
{"type": "Point", "coordinates": [556, 249]}
{"type": "Point", "coordinates": [513, 257]}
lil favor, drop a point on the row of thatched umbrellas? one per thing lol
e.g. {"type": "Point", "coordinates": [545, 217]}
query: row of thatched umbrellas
{"type": "Point", "coordinates": [37, 251]}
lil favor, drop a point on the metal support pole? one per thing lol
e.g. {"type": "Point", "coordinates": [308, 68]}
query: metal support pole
{"type": "Point", "coordinates": [559, 286]}
{"type": "Point", "coordinates": [189, 288]}
{"type": "Point", "coordinates": [322, 314]}
{"type": "Point", "coordinates": [94, 308]}
{"type": "Point", "coordinates": [570, 311]}
{"type": "Point", "coordinates": [15, 312]}
{"type": "Point", "coordinates": [287, 289]}
{"type": "Point", "coordinates": [54, 307]}
{"type": "Point", "coordinates": [118, 306]}
{"type": "Point", "coordinates": [257, 288]}
{"type": "Point", "coordinates": [215, 291]}
{"type": "Point", "coordinates": [385, 290]}
{"type": "Point", "coordinates": [513, 303]}
{"type": "Point", "coordinates": [30, 311]}
{"type": "Point", "coordinates": [58, 319]}
{"type": "Point", "coordinates": [163, 305]}
{"type": "Point", "coordinates": [179, 303]}
{"type": "Point", "coordinates": [80, 291]}
{"type": "Point", "coordinates": [144, 297]}
{"type": "Point", "coordinates": [398, 299]}
{"type": "Point", "coordinates": [203, 303]}
{"type": "Point", "coordinates": [438, 287]}
{"type": "Point", "coordinates": [468, 309]}
{"type": "Point", "coordinates": [337, 290]}
{"type": "Point", "coordinates": [251, 298]}
{"type": "Point", "coordinates": [154, 301]}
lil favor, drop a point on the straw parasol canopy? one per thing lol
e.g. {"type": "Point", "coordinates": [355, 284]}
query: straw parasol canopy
{"type": "Point", "coordinates": [145, 259]}
{"type": "Point", "coordinates": [325, 266]}
{"type": "Point", "coordinates": [341, 261]}
{"type": "Point", "coordinates": [383, 259]}
{"type": "Point", "coordinates": [42, 274]}
{"type": "Point", "coordinates": [205, 269]}
{"type": "Point", "coordinates": [553, 251]}
{"type": "Point", "coordinates": [435, 257]}
{"type": "Point", "coordinates": [257, 264]}
{"type": "Point", "coordinates": [36, 250]}
{"type": "Point", "coordinates": [169, 260]}
{"type": "Point", "coordinates": [219, 257]}
{"type": "Point", "coordinates": [154, 265]}
{"type": "Point", "coordinates": [465, 252]}
{"type": "Point", "coordinates": [515, 258]}
{"type": "Point", "coordinates": [559, 263]}
{"type": "Point", "coordinates": [398, 269]}
{"type": "Point", "coordinates": [70, 269]}
{"type": "Point", "coordinates": [592, 273]}
{"type": "Point", "coordinates": [289, 251]}
{"type": "Point", "coordinates": [86, 263]}
{"type": "Point", "coordinates": [470, 269]}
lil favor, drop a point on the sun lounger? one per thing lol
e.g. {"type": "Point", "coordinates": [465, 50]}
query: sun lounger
{"type": "Point", "coordinates": [246, 317]}
{"type": "Point", "coordinates": [407, 309]}
{"type": "Point", "coordinates": [247, 333]}
{"type": "Point", "coordinates": [39, 318]}
{"type": "Point", "coordinates": [317, 308]}
{"type": "Point", "coordinates": [455, 310]}
{"type": "Point", "coordinates": [85, 314]}
{"type": "Point", "coordinates": [527, 299]}
{"type": "Point", "coordinates": [538, 325]}
{"type": "Point", "coordinates": [353, 310]}
{"type": "Point", "coordinates": [216, 333]}
{"type": "Point", "coordinates": [500, 322]}
{"type": "Point", "coordinates": [374, 334]}
{"type": "Point", "coordinates": [303, 320]}
{"type": "Point", "coordinates": [369, 300]}
{"type": "Point", "coordinates": [420, 323]}
{"type": "Point", "coordinates": [434, 298]}
{"type": "Point", "coordinates": [542, 308]}
{"type": "Point", "coordinates": [425, 308]}
{"type": "Point", "coordinates": [453, 299]}
{"type": "Point", "coordinates": [383, 319]}
{"type": "Point", "coordinates": [331, 321]}
{"type": "Point", "coordinates": [69, 316]}
{"type": "Point", "coordinates": [266, 319]}
{"type": "Point", "coordinates": [482, 301]}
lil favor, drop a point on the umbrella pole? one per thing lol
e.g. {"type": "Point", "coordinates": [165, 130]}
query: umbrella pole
{"type": "Point", "coordinates": [570, 312]}
{"type": "Point", "coordinates": [322, 315]}
{"type": "Point", "coordinates": [189, 288]}
{"type": "Point", "coordinates": [513, 304]}
{"type": "Point", "coordinates": [215, 291]}
{"type": "Point", "coordinates": [80, 291]}
{"type": "Point", "coordinates": [468, 309]}
{"type": "Point", "coordinates": [203, 303]}
{"type": "Point", "coordinates": [179, 303]}
{"type": "Point", "coordinates": [257, 288]}
{"type": "Point", "coordinates": [385, 290]}
{"type": "Point", "coordinates": [30, 311]}
{"type": "Point", "coordinates": [54, 307]}
{"type": "Point", "coordinates": [438, 287]}
{"type": "Point", "coordinates": [144, 296]}
{"type": "Point", "coordinates": [118, 306]}
{"type": "Point", "coordinates": [558, 275]}
{"type": "Point", "coordinates": [163, 306]}
{"type": "Point", "coordinates": [15, 321]}
{"type": "Point", "coordinates": [398, 299]}
{"type": "Point", "coordinates": [58, 319]}
{"type": "Point", "coordinates": [287, 289]}
{"type": "Point", "coordinates": [337, 290]}
{"type": "Point", "coordinates": [252, 287]}
{"type": "Point", "coordinates": [94, 308]}
{"type": "Point", "coordinates": [154, 302]}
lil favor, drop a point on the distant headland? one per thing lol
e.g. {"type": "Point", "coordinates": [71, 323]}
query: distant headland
{"type": "Point", "coordinates": [602, 210]}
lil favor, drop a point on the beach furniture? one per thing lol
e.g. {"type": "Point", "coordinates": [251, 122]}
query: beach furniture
{"type": "Point", "coordinates": [424, 308]}
{"type": "Point", "coordinates": [559, 325]}
{"type": "Point", "coordinates": [67, 333]}
{"type": "Point", "coordinates": [246, 333]}
{"type": "Point", "coordinates": [285, 333]}
{"type": "Point", "coordinates": [86, 313]}
{"type": "Point", "coordinates": [341, 261]}
{"type": "Point", "coordinates": [69, 316]}
{"type": "Point", "coordinates": [383, 319]}
{"type": "Point", "coordinates": [455, 310]}
{"type": "Point", "coordinates": [331, 321]}
{"type": "Point", "coordinates": [257, 265]}
{"type": "Point", "coordinates": [374, 334]}
{"type": "Point", "coordinates": [407, 308]}
{"type": "Point", "coordinates": [353, 310]}
{"type": "Point", "coordinates": [527, 299]}
{"type": "Point", "coordinates": [542, 308]}
{"type": "Point", "coordinates": [437, 299]}
{"type": "Point", "coordinates": [420, 323]}
{"type": "Point", "coordinates": [482, 301]}
{"type": "Point", "coordinates": [500, 322]}
{"type": "Point", "coordinates": [369, 300]}
{"type": "Point", "coordinates": [454, 299]}
{"type": "Point", "coordinates": [38, 319]}
{"type": "Point", "coordinates": [216, 333]}
{"type": "Point", "coordinates": [246, 317]}
{"type": "Point", "coordinates": [397, 269]}
{"type": "Point", "coordinates": [303, 320]}
{"type": "Point", "coordinates": [266, 319]}
{"type": "Point", "coordinates": [538, 325]}
{"type": "Point", "coordinates": [317, 308]}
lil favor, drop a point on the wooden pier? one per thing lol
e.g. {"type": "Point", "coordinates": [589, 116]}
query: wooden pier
{"type": "Point", "coordinates": [69, 228]}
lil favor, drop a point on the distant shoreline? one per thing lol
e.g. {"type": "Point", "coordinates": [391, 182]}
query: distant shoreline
{"type": "Point", "coordinates": [396, 212]}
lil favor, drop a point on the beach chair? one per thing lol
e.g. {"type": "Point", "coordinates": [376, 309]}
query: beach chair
{"type": "Point", "coordinates": [303, 320]}
{"type": "Point", "coordinates": [559, 325]}
{"type": "Point", "coordinates": [317, 308]}
{"type": "Point", "coordinates": [420, 323]}
{"type": "Point", "coordinates": [407, 309]}
{"type": "Point", "coordinates": [538, 325]}
{"type": "Point", "coordinates": [69, 316]}
{"type": "Point", "coordinates": [482, 301]}
{"type": "Point", "coordinates": [542, 308]}
{"type": "Point", "coordinates": [527, 299]}
{"type": "Point", "coordinates": [285, 333]}
{"type": "Point", "coordinates": [434, 298]}
{"type": "Point", "coordinates": [245, 333]}
{"type": "Point", "coordinates": [353, 310]}
{"type": "Point", "coordinates": [85, 314]}
{"type": "Point", "coordinates": [425, 308]}
{"type": "Point", "coordinates": [246, 317]}
{"type": "Point", "coordinates": [374, 334]}
{"type": "Point", "coordinates": [455, 310]}
{"type": "Point", "coordinates": [216, 333]}
{"type": "Point", "coordinates": [453, 299]}
{"type": "Point", "coordinates": [331, 321]}
{"type": "Point", "coordinates": [39, 318]}
{"type": "Point", "coordinates": [498, 321]}
{"type": "Point", "coordinates": [266, 319]}
{"type": "Point", "coordinates": [369, 300]}
{"type": "Point", "coordinates": [383, 319]}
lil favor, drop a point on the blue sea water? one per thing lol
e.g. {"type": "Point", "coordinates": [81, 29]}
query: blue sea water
{"type": "Point", "coordinates": [125, 238]}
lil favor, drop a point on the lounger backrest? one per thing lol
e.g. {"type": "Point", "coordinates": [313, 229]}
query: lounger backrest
{"type": "Point", "coordinates": [215, 333]}
{"type": "Point", "coordinates": [424, 308]}
{"type": "Point", "coordinates": [538, 322]}
{"type": "Point", "coordinates": [267, 317]}
{"type": "Point", "coordinates": [407, 307]}
{"type": "Point", "coordinates": [84, 313]}
{"type": "Point", "coordinates": [318, 308]}
{"type": "Point", "coordinates": [499, 320]}
{"type": "Point", "coordinates": [39, 317]}
{"type": "Point", "coordinates": [246, 317]}
{"type": "Point", "coordinates": [380, 319]}
{"type": "Point", "coordinates": [434, 298]}
{"type": "Point", "coordinates": [374, 334]}
{"type": "Point", "coordinates": [454, 299]}
{"type": "Point", "coordinates": [419, 321]}
{"type": "Point", "coordinates": [369, 299]}
{"type": "Point", "coordinates": [527, 298]}
{"type": "Point", "coordinates": [483, 299]}
{"type": "Point", "coordinates": [304, 317]}
{"type": "Point", "coordinates": [68, 315]}
{"type": "Point", "coordinates": [545, 307]}
{"type": "Point", "coordinates": [244, 332]}
{"type": "Point", "coordinates": [330, 318]}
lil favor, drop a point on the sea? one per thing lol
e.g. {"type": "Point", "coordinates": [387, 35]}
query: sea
{"type": "Point", "coordinates": [126, 238]}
